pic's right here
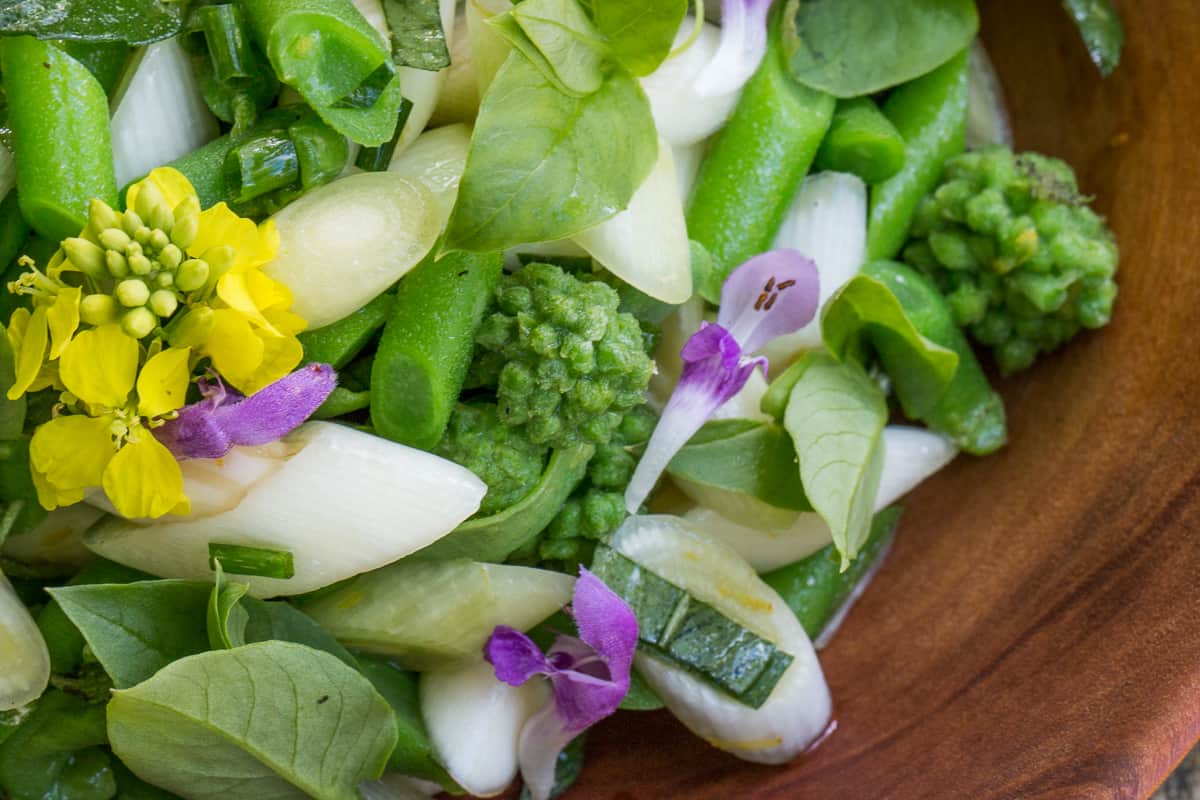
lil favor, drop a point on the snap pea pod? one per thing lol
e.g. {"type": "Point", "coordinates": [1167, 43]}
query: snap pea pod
{"type": "Point", "coordinates": [338, 63]}
{"type": "Point", "coordinates": [337, 344]}
{"type": "Point", "coordinates": [342, 401]}
{"type": "Point", "coordinates": [752, 171]}
{"type": "Point", "coordinates": [61, 139]}
{"type": "Point", "coordinates": [815, 588]}
{"type": "Point", "coordinates": [970, 412]}
{"type": "Point", "coordinates": [931, 114]}
{"type": "Point", "coordinates": [427, 344]}
{"type": "Point", "coordinates": [105, 60]}
{"type": "Point", "coordinates": [861, 141]}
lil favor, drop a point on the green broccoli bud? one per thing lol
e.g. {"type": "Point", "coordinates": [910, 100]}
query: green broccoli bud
{"type": "Point", "coordinates": [565, 363]}
{"type": "Point", "coordinates": [1023, 262]}
{"type": "Point", "coordinates": [503, 457]}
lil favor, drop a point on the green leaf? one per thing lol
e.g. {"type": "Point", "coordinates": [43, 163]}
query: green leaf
{"type": "Point", "coordinates": [134, 22]}
{"type": "Point", "coordinates": [836, 415]}
{"type": "Point", "coordinates": [746, 457]}
{"type": "Point", "coordinates": [417, 37]}
{"type": "Point", "coordinates": [1100, 25]}
{"type": "Point", "coordinates": [546, 166]}
{"type": "Point", "coordinates": [136, 629]}
{"type": "Point", "coordinates": [12, 412]}
{"type": "Point", "coordinates": [850, 48]}
{"type": "Point", "coordinates": [865, 313]}
{"type": "Point", "coordinates": [268, 720]}
{"type": "Point", "coordinates": [56, 753]}
{"type": "Point", "coordinates": [640, 33]}
{"type": "Point", "coordinates": [226, 617]}
{"type": "Point", "coordinates": [559, 39]}
{"type": "Point", "coordinates": [280, 621]}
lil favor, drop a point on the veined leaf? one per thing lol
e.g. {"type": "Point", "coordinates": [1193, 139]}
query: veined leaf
{"type": "Point", "coordinates": [559, 39]}
{"type": "Point", "coordinates": [836, 416]}
{"type": "Point", "coordinates": [226, 617]}
{"type": "Point", "coordinates": [640, 33]}
{"type": "Point", "coordinates": [280, 621]}
{"type": "Point", "coordinates": [865, 313]}
{"type": "Point", "coordinates": [417, 37]}
{"type": "Point", "coordinates": [136, 629]}
{"type": "Point", "coordinates": [544, 165]}
{"type": "Point", "coordinates": [260, 722]}
{"type": "Point", "coordinates": [55, 754]}
{"type": "Point", "coordinates": [134, 22]}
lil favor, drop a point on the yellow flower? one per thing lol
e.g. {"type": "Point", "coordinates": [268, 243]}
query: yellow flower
{"type": "Point", "coordinates": [111, 446]}
{"type": "Point", "coordinates": [39, 335]}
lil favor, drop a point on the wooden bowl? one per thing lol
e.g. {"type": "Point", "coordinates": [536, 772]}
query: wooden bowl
{"type": "Point", "coordinates": [1036, 630]}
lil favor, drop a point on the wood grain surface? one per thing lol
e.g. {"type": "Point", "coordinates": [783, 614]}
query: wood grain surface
{"type": "Point", "coordinates": [1036, 631]}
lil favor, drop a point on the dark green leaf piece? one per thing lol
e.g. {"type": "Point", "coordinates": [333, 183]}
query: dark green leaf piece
{"type": "Point", "coordinates": [1103, 33]}
{"type": "Point", "coordinates": [377, 159]}
{"type": "Point", "coordinates": [744, 456]}
{"type": "Point", "coordinates": [417, 36]}
{"type": "Point", "coordinates": [134, 22]}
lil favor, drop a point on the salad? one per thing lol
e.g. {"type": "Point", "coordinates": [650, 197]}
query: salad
{"type": "Point", "coordinates": [391, 390]}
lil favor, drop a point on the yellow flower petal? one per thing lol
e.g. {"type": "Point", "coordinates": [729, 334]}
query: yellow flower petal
{"type": "Point", "coordinates": [268, 242]}
{"type": "Point", "coordinates": [233, 290]}
{"type": "Point", "coordinates": [63, 319]}
{"type": "Point", "coordinates": [99, 366]}
{"type": "Point", "coordinates": [27, 333]}
{"type": "Point", "coordinates": [47, 378]}
{"type": "Point", "coordinates": [144, 480]}
{"type": "Point", "coordinates": [171, 182]}
{"type": "Point", "coordinates": [285, 322]}
{"type": "Point", "coordinates": [235, 349]}
{"type": "Point", "coordinates": [70, 453]}
{"type": "Point", "coordinates": [281, 355]}
{"type": "Point", "coordinates": [219, 226]}
{"type": "Point", "coordinates": [50, 497]}
{"type": "Point", "coordinates": [163, 382]}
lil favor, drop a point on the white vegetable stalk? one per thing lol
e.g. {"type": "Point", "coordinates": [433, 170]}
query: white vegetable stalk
{"type": "Point", "coordinates": [24, 660]}
{"type": "Point", "coordinates": [488, 48]}
{"type": "Point", "coordinates": [646, 245]}
{"type": "Point", "coordinates": [683, 115]}
{"type": "Point", "coordinates": [827, 222]}
{"type": "Point", "coordinates": [58, 539]}
{"type": "Point", "coordinates": [799, 708]}
{"type": "Point", "coordinates": [688, 158]}
{"type": "Point", "coordinates": [987, 115]}
{"type": "Point", "coordinates": [394, 786]}
{"type": "Point", "coordinates": [475, 722]}
{"type": "Point", "coordinates": [374, 227]}
{"type": "Point", "coordinates": [159, 114]}
{"type": "Point", "coordinates": [459, 98]}
{"type": "Point", "coordinates": [437, 159]}
{"type": "Point", "coordinates": [676, 329]}
{"type": "Point", "coordinates": [345, 503]}
{"type": "Point", "coordinates": [910, 455]}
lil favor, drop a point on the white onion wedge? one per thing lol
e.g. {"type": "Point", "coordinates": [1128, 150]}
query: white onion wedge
{"type": "Point", "coordinates": [24, 660]}
{"type": "Point", "coordinates": [58, 539]}
{"type": "Point", "coordinates": [459, 99]}
{"type": "Point", "coordinates": [681, 114]}
{"type": "Point", "coordinates": [344, 243]}
{"type": "Point", "coordinates": [428, 614]}
{"type": "Point", "coordinates": [987, 115]}
{"type": "Point", "coordinates": [345, 503]}
{"type": "Point", "coordinates": [688, 158]}
{"type": "Point", "coordinates": [827, 222]}
{"type": "Point", "coordinates": [675, 332]}
{"type": "Point", "coordinates": [797, 711]}
{"type": "Point", "coordinates": [910, 456]}
{"type": "Point", "coordinates": [646, 245]}
{"type": "Point", "coordinates": [475, 722]}
{"type": "Point", "coordinates": [488, 48]}
{"type": "Point", "coordinates": [437, 159]}
{"type": "Point", "coordinates": [159, 113]}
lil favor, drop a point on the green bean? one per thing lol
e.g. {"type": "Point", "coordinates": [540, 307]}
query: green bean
{"type": "Point", "coordinates": [105, 60]}
{"type": "Point", "coordinates": [342, 401]}
{"type": "Point", "coordinates": [815, 589]}
{"type": "Point", "coordinates": [752, 171]}
{"type": "Point", "coordinates": [61, 139]}
{"type": "Point", "coordinates": [494, 538]}
{"type": "Point", "coordinates": [339, 343]}
{"type": "Point", "coordinates": [861, 141]}
{"type": "Point", "coordinates": [931, 114]}
{"type": "Point", "coordinates": [970, 412]}
{"type": "Point", "coordinates": [427, 344]}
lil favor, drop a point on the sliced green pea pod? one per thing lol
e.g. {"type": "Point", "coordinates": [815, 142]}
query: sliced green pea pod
{"type": "Point", "coordinates": [61, 139]}
{"type": "Point", "coordinates": [426, 347]}
{"type": "Point", "coordinates": [861, 141]}
{"type": "Point", "coordinates": [970, 412]}
{"type": "Point", "coordinates": [815, 588]}
{"type": "Point", "coordinates": [494, 538]}
{"type": "Point", "coordinates": [931, 114]}
{"type": "Point", "coordinates": [337, 344]}
{"type": "Point", "coordinates": [343, 401]}
{"type": "Point", "coordinates": [752, 171]}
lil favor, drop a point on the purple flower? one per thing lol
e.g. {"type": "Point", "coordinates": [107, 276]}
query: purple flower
{"type": "Point", "coordinates": [589, 675]}
{"type": "Point", "coordinates": [224, 419]}
{"type": "Point", "coordinates": [770, 295]}
{"type": "Point", "coordinates": [743, 43]}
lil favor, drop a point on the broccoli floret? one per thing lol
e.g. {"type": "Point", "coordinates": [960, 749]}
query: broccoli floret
{"type": "Point", "coordinates": [565, 364]}
{"type": "Point", "coordinates": [502, 457]}
{"type": "Point", "coordinates": [1022, 260]}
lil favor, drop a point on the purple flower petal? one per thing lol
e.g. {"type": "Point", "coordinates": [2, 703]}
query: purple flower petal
{"type": "Point", "coordinates": [743, 43]}
{"type": "Point", "coordinates": [222, 421]}
{"type": "Point", "coordinates": [606, 624]}
{"type": "Point", "coordinates": [769, 296]}
{"type": "Point", "coordinates": [515, 656]}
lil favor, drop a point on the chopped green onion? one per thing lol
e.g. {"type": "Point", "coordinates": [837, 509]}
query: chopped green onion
{"type": "Point", "coordinates": [258, 561]}
{"type": "Point", "coordinates": [367, 93]}
{"type": "Point", "coordinates": [377, 159]}
{"type": "Point", "coordinates": [227, 34]}
{"type": "Point", "coordinates": [322, 150]}
{"type": "Point", "coordinates": [675, 625]}
{"type": "Point", "coordinates": [260, 166]}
